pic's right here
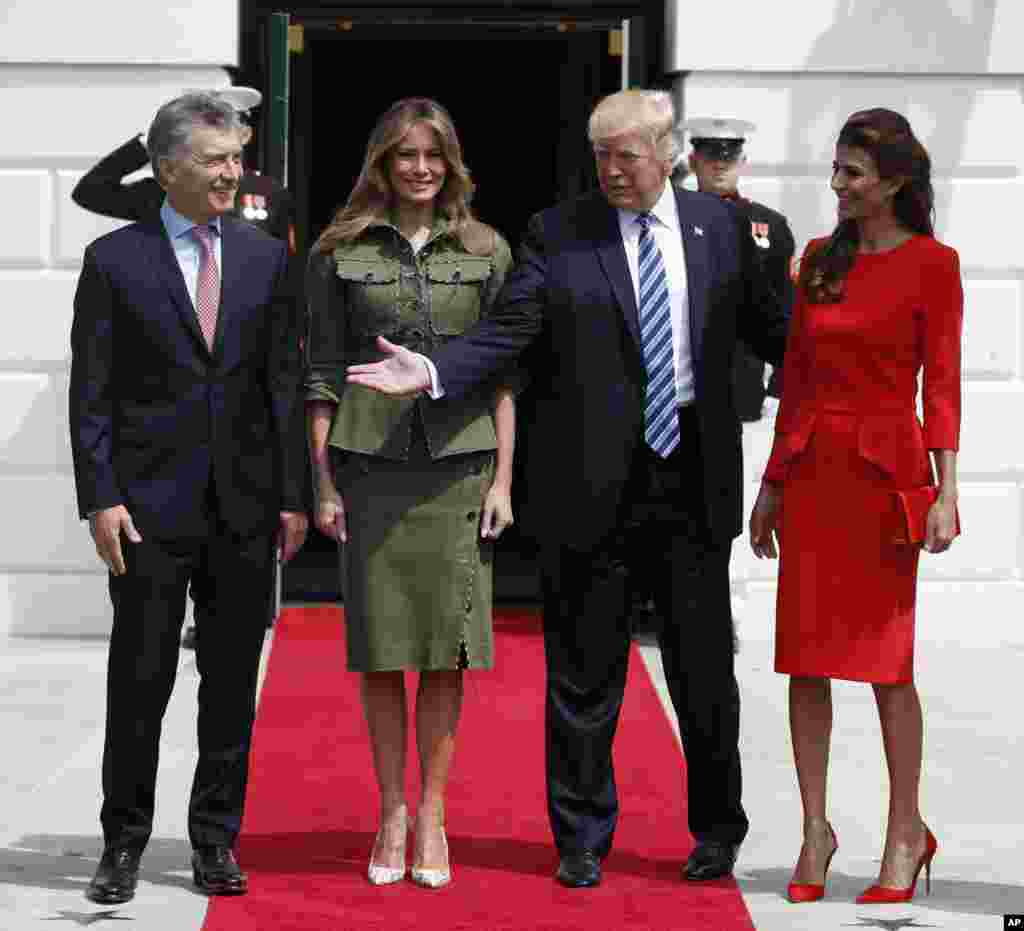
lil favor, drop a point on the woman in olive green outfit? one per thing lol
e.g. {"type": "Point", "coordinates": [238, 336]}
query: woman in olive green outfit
{"type": "Point", "coordinates": [411, 487]}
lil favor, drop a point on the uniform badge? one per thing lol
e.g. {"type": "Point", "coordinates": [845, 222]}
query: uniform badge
{"type": "Point", "coordinates": [760, 233]}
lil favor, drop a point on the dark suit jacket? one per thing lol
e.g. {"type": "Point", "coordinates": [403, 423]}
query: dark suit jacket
{"type": "Point", "coordinates": [102, 190]}
{"type": "Point", "coordinates": [571, 296]}
{"type": "Point", "coordinates": [154, 413]}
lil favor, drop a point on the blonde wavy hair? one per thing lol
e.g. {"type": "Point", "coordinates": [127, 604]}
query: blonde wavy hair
{"type": "Point", "coordinates": [649, 112]}
{"type": "Point", "coordinates": [372, 197]}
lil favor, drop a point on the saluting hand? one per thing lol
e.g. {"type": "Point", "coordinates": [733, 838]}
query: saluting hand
{"type": "Point", "coordinates": [403, 373]}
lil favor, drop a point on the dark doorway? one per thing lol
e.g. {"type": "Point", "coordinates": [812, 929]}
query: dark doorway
{"type": "Point", "coordinates": [519, 94]}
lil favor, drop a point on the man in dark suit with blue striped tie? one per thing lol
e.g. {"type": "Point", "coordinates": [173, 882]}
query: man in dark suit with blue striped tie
{"type": "Point", "coordinates": [631, 301]}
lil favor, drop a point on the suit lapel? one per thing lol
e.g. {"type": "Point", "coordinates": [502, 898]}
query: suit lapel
{"type": "Point", "coordinates": [165, 263]}
{"type": "Point", "coordinates": [695, 231]}
{"type": "Point", "coordinates": [612, 254]}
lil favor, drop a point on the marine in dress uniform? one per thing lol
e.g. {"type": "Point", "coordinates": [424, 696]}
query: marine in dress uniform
{"type": "Point", "coordinates": [716, 160]}
{"type": "Point", "coordinates": [262, 201]}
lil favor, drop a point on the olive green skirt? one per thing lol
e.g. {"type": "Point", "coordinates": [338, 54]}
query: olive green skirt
{"type": "Point", "coordinates": [416, 577]}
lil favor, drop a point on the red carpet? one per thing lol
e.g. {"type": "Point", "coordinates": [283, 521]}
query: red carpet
{"type": "Point", "coordinates": [312, 807]}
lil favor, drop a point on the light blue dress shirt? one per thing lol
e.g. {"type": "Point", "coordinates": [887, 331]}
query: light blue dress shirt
{"type": "Point", "coordinates": [186, 247]}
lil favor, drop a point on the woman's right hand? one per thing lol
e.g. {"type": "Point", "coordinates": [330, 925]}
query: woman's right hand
{"type": "Point", "coordinates": [764, 522]}
{"type": "Point", "coordinates": [330, 515]}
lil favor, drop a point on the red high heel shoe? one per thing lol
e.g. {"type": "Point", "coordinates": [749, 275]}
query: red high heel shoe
{"type": "Point", "coordinates": [883, 895]}
{"type": "Point", "coordinates": [812, 892]}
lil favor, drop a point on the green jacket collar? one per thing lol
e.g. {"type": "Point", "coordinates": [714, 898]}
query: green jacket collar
{"type": "Point", "coordinates": [441, 226]}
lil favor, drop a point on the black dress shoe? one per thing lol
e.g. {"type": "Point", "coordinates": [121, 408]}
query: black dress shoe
{"type": "Point", "coordinates": [579, 869]}
{"type": "Point", "coordinates": [116, 876]}
{"type": "Point", "coordinates": [216, 872]}
{"type": "Point", "coordinates": [711, 860]}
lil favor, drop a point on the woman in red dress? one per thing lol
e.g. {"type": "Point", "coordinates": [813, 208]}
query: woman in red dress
{"type": "Point", "coordinates": [878, 300]}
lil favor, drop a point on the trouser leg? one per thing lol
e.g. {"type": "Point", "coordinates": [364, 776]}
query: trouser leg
{"type": "Point", "coordinates": [228, 655]}
{"type": "Point", "coordinates": [697, 654]}
{"type": "Point", "coordinates": [149, 607]}
{"type": "Point", "coordinates": [586, 645]}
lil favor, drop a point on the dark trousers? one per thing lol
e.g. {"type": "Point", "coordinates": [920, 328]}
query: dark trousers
{"type": "Point", "coordinates": [149, 607]}
{"type": "Point", "coordinates": [587, 640]}
{"type": "Point", "coordinates": [202, 590]}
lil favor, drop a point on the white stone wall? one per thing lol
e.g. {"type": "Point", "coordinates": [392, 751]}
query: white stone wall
{"type": "Point", "coordinates": [182, 33]}
{"type": "Point", "coordinates": [59, 119]}
{"type": "Point", "coordinates": [971, 125]}
{"type": "Point", "coordinates": [850, 36]}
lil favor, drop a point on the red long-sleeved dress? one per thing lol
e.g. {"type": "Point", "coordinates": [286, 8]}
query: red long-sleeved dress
{"type": "Point", "coordinates": [847, 435]}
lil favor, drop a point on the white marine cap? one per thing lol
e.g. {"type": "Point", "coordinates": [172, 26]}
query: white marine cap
{"type": "Point", "coordinates": [707, 127]}
{"type": "Point", "coordinates": [718, 137]}
{"type": "Point", "coordinates": [243, 99]}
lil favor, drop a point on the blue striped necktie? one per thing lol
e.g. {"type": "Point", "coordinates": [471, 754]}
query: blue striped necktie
{"type": "Point", "coordinates": [661, 421]}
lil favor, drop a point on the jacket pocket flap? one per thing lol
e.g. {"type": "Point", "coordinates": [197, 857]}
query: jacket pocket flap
{"type": "Point", "coordinates": [793, 437]}
{"type": "Point", "coordinates": [460, 271]}
{"type": "Point", "coordinates": [895, 447]}
{"type": "Point", "coordinates": [363, 271]}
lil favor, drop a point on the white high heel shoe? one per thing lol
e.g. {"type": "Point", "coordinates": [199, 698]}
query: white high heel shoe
{"type": "Point", "coordinates": [385, 875]}
{"type": "Point", "coordinates": [434, 878]}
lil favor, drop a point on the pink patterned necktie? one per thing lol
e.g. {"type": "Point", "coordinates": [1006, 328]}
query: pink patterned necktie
{"type": "Point", "coordinates": [207, 284]}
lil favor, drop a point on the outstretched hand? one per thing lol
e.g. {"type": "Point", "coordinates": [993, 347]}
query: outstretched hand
{"type": "Point", "coordinates": [402, 373]}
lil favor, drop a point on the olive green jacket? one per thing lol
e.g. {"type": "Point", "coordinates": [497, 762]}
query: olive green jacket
{"type": "Point", "coordinates": [377, 286]}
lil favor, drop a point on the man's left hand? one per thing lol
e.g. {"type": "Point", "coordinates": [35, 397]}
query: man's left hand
{"type": "Point", "coordinates": [291, 534]}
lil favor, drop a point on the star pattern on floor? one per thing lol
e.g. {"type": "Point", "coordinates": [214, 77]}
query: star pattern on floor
{"type": "Point", "coordinates": [88, 918]}
{"type": "Point", "coordinates": [889, 924]}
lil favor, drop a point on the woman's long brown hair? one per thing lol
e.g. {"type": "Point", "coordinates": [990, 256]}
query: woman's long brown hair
{"type": "Point", "coordinates": [887, 137]}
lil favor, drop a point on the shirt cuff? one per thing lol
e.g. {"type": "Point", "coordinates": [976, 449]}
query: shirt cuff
{"type": "Point", "coordinates": [436, 389]}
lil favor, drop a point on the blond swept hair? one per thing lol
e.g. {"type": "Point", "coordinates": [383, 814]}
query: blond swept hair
{"type": "Point", "coordinates": [372, 198]}
{"type": "Point", "coordinates": [648, 112]}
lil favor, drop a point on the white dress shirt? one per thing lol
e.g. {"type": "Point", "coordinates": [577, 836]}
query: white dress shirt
{"type": "Point", "coordinates": [186, 247]}
{"type": "Point", "coordinates": [669, 239]}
